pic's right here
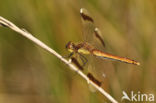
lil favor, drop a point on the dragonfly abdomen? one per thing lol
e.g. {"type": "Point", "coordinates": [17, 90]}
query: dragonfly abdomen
{"type": "Point", "coordinates": [99, 53]}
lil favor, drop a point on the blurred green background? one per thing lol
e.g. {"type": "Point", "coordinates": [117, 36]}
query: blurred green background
{"type": "Point", "coordinates": [29, 74]}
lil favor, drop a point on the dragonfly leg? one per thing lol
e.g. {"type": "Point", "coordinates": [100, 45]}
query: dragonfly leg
{"type": "Point", "coordinates": [84, 59]}
{"type": "Point", "coordinates": [69, 55]}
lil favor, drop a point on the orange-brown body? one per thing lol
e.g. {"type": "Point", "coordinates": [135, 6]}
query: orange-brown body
{"type": "Point", "coordinates": [87, 49]}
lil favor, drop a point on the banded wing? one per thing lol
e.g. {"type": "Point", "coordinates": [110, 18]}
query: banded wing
{"type": "Point", "coordinates": [91, 33]}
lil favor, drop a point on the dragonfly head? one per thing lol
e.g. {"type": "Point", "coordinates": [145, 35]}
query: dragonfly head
{"type": "Point", "coordinates": [70, 46]}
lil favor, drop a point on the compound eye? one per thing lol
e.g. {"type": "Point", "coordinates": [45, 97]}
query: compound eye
{"type": "Point", "coordinates": [68, 45]}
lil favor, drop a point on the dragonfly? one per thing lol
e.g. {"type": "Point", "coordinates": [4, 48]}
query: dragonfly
{"type": "Point", "coordinates": [87, 48]}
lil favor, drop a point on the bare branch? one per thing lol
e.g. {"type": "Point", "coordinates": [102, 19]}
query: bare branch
{"type": "Point", "coordinates": [6, 23]}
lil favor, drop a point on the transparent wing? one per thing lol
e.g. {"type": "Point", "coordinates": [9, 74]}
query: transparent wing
{"type": "Point", "coordinates": [90, 32]}
{"type": "Point", "coordinates": [92, 35]}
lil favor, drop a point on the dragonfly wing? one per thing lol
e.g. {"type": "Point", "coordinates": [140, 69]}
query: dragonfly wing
{"type": "Point", "coordinates": [90, 32]}
{"type": "Point", "coordinates": [92, 35]}
{"type": "Point", "coordinates": [97, 33]}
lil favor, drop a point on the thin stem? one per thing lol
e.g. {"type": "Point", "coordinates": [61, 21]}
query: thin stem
{"type": "Point", "coordinates": [6, 23]}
